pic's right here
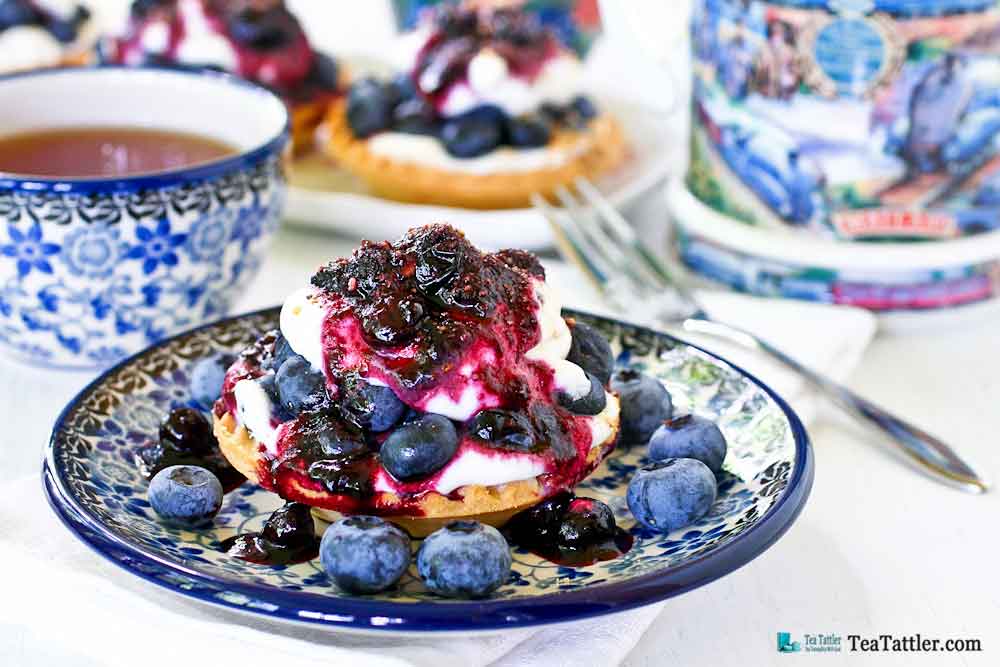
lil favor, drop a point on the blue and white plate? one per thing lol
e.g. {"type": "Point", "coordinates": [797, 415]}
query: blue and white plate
{"type": "Point", "coordinates": [96, 490]}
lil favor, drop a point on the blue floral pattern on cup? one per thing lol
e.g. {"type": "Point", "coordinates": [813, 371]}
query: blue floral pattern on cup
{"type": "Point", "coordinates": [95, 487]}
{"type": "Point", "coordinates": [86, 278]}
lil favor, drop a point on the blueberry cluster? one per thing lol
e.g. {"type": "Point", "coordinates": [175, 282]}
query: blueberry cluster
{"type": "Point", "coordinates": [397, 105]}
{"type": "Point", "coordinates": [15, 13]}
{"type": "Point", "coordinates": [366, 554]}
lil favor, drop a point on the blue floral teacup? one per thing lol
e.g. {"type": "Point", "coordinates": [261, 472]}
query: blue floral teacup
{"type": "Point", "coordinates": [94, 269]}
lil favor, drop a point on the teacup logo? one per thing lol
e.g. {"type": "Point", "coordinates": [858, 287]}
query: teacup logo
{"type": "Point", "coordinates": [786, 645]}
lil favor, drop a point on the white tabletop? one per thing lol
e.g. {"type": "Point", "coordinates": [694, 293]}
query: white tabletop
{"type": "Point", "coordinates": [878, 548]}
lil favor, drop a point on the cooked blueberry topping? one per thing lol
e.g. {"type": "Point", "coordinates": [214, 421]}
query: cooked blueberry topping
{"type": "Point", "coordinates": [671, 494]}
{"type": "Point", "coordinates": [142, 8]}
{"type": "Point", "coordinates": [263, 30]}
{"type": "Point", "coordinates": [401, 88]}
{"type": "Point", "coordinates": [591, 351]}
{"type": "Point", "coordinates": [472, 134]}
{"type": "Point", "coordinates": [290, 525]}
{"type": "Point", "coordinates": [465, 559]}
{"type": "Point", "coordinates": [207, 377]}
{"type": "Point", "coordinates": [345, 476]}
{"type": "Point", "coordinates": [587, 521]}
{"type": "Point", "coordinates": [415, 116]}
{"type": "Point", "coordinates": [528, 131]}
{"type": "Point", "coordinates": [503, 429]}
{"type": "Point", "coordinates": [365, 554]}
{"type": "Point", "coordinates": [456, 21]}
{"type": "Point", "coordinates": [288, 536]}
{"type": "Point", "coordinates": [540, 524]}
{"type": "Point", "coordinates": [324, 72]}
{"type": "Point", "coordinates": [592, 403]}
{"type": "Point", "coordinates": [645, 404]}
{"type": "Point", "coordinates": [300, 386]}
{"type": "Point", "coordinates": [185, 496]}
{"type": "Point", "coordinates": [372, 406]}
{"type": "Point", "coordinates": [689, 437]}
{"type": "Point", "coordinates": [369, 108]}
{"type": "Point", "coordinates": [329, 436]}
{"type": "Point", "coordinates": [520, 28]}
{"type": "Point", "coordinates": [420, 448]}
{"type": "Point", "coordinates": [186, 430]}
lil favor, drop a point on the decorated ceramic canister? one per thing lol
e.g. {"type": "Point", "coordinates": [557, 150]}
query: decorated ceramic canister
{"type": "Point", "coordinates": [852, 119]}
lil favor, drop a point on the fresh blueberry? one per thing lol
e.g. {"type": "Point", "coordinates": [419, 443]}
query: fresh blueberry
{"type": "Point", "coordinates": [299, 385]}
{"type": "Point", "coordinates": [419, 448]}
{"type": "Point", "coordinates": [207, 377]}
{"type": "Point", "coordinates": [465, 559]}
{"type": "Point", "coordinates": [584, 108]}
{"type": "Point", "coordinates": [373, 406]}
{"type": "Point", "coordinates": [645, 404]}
{"type": "Point", "coordinates": [18, 13]}
{"type": "Point", "coordinates": [503, 429]}
{"type": "Point", "coordinates": [591, 351]}
{"type": "Point", "coordinates": [186, 430]}
{"type": "Point", "coordinates": [369, 108]}
{"type": "Point", "coordinates": [281, 352]}
{"type": "Point", "coordinates": [401, 88]}
{"type": "Point", "coordinates": [66, 31]}
{"type": "Point", "coordinates": [586, 521]}
{"type": "Point", "coordinates": [473, 134]}
{"type": "Point", "coordinates": [415, 116]}
{"type": "Point", "coordinates": [591, 403]}
{"type": "Point", "coordinates": [291, 525]}
{"type": "Point", "coordinates": [671, 494]}
{"type": "Point", "coordinates": [364, 554]}
{"type": "Point", "coordinates": [528, 132]}
{"type": "Point", "coordinates": [689, 437]}
{"type": "Point", "coordinates": [185, 496]}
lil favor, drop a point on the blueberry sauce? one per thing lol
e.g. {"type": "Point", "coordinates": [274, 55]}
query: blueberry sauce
{"type": "Point", "coordinates": [428, 315]}
{"type": "Point", "coordinates": [288, 537]}
{"type": "Point", "coordinates": [186, 439]}
{"type": "Point", "coordinates": [568, 530]}
{"type": "Point", "coordinates": [269, 44]}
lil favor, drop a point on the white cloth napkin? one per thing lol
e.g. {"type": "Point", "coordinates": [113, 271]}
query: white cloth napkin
{"type": "Point", "coordinates": [65, 605]}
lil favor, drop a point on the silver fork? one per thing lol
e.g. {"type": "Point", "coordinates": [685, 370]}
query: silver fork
{"type": "Point", "coordinates": [592, 234]}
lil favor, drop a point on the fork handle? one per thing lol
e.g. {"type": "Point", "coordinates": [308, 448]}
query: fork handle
{"type": "Point", "coordinates": [929, 453]}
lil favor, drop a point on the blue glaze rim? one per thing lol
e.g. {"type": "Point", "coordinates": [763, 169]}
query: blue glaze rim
{"type": "Point", "coordinates": [445, 616]}
{"type": "Point", "coordinates": [208, 171]}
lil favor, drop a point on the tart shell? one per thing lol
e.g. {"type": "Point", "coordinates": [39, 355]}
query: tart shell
{"type": "Point", "coordinates": [493, 505]}
{"type": "Point", "coordinates": [602, 147]}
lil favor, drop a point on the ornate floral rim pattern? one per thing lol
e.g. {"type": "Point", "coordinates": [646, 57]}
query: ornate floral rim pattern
{"type": "Point", "coordinates": [92, 486]}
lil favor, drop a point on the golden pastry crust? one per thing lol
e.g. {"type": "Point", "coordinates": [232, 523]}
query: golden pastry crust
{"type": "Point", "coordinates": [307, 116]}
{"type": "Point", "coordinates": [493, 505]}
{"type": "Point", "coordinates": [598, 149]}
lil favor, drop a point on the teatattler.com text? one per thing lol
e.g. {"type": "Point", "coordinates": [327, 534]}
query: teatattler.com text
{"type": "Point", "coordinates": [910, 643]}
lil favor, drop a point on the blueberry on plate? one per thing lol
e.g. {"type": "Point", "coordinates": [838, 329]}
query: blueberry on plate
{"type": "Point", "coordinates": [365, 554]}
{"type": "Point", "coordinates": [586, 522]}
{"type": "Point", "coordinates": [528, 131]}
{"type": "Point", "coordinates": [18, 13]}
{"type": "Point", "coordinates": [591, 403]}
{"type": "Point", "coordinates": [645, 404]}
{"type": "Point", "coordinates": [689, 437]}
{"type": "Point", "coordinates": [185, 496]}
{"type": "Point", "coordinates": [591, 351]}
{"type": "Point", "coordinates": [291, 525]}
{"type": "Point", "coordinates": [186, 430]}
{"type": "Point", "coordinates": [207, 377]}
{"type": "Point", "coordinates": [473, 134]}
{"type": "Point", "coordinates": [671, 494]}
{"type": "Point", "coordinates": [503, 429]}
{"type": "Point", "coordinates": [373, 406]}
{"type": "Point", "coordinates": [369, 108]}
{"type": "Point", "coordinates": [420, 448]}
{"type": "Point", "coordinates": [300, 386]}
{"type": "Point", "coordinates": [465, 559]}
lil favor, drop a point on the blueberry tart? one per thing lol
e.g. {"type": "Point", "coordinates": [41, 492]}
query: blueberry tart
{"type": "Point", "coordinates": [421, 380]}
{"type": "Point", "coordinates": [259, 40]}
{"type": "Point", "coordinates": [44, 33]}
{"type": "Point", "coordinates": [486, 110]}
